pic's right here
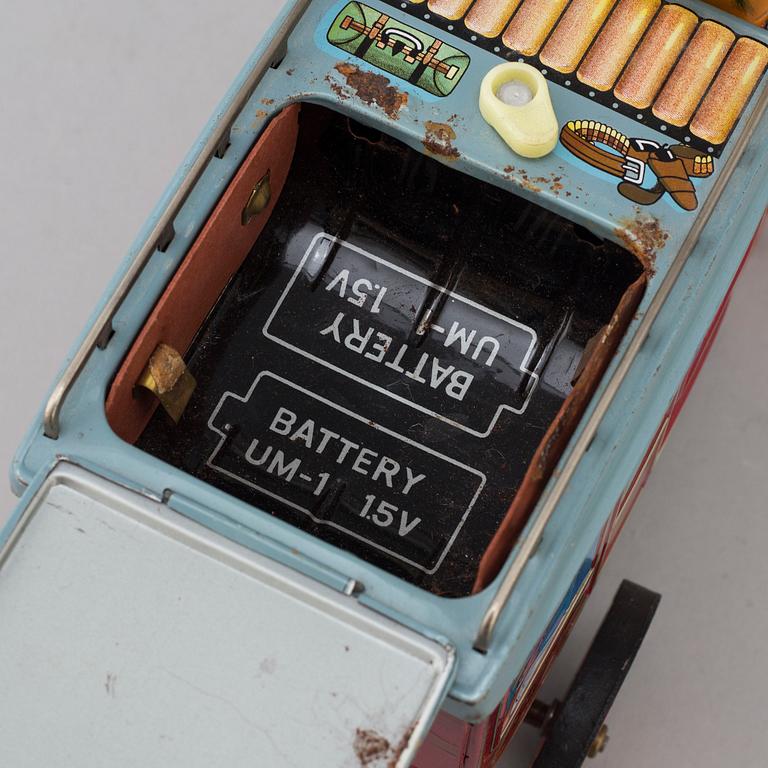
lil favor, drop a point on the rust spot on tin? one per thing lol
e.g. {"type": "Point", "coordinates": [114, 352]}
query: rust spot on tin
{"type": "Point", "coordinates": [535, 183]}
{"type": "Point", "coordinates": [400, 748]}
{"type": "Point", "coordinates": [337, 89]}
{"type": "Point", "coordinates": [268, 102]}
{"type": "Point", "coordinates": [644, 236]}
{"type": "Point", "coordinates": [169, 380]}
{"type": "Point", "coordinates": [370, 88]}
{"type": "Point", "coordinates": [438, 140]}
{"type": "Point", "coordinates": [370, 747]}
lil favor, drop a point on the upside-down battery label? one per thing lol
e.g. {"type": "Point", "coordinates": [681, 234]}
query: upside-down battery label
{"type": "Point", "coordinates": [343, 470]}
{"type": "Point", "coordinates": [369, 319]}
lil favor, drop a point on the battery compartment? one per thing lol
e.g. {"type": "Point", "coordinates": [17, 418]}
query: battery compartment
{"type": "Point", "coordinates": [391, 355]}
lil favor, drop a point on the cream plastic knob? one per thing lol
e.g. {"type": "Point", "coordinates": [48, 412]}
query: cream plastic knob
{"type": "Point", "coordinates": [514, 99]}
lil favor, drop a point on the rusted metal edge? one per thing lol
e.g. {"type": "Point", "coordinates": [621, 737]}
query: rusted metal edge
{"type": "Point", "coordinates": [555, 491]}
{"type": "Point", "coordinates": [99, 333]}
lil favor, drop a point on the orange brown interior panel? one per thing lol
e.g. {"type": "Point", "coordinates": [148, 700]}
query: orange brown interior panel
{"type": "Point", "coordinates": [375, 364]}
{"type": "Point", "coordinates": [216, 255]}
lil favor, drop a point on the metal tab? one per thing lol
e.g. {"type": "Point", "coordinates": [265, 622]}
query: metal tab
{"type": "Point", "coordinates": [259, 200]}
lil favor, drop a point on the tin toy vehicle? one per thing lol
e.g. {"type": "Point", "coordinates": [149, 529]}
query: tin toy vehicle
{"type": "Point", "coordinates": [330, 475]}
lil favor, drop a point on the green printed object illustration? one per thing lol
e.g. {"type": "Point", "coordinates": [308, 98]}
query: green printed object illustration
{"type": "Point", "coordinates": [399, 49]}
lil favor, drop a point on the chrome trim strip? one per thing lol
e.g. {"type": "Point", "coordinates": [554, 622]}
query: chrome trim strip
{"type": "Point", "coordinates": [555, 491]}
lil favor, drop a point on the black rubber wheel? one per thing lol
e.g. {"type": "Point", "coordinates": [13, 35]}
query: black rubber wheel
{"type": "Point", "coordinates": [578, 722]}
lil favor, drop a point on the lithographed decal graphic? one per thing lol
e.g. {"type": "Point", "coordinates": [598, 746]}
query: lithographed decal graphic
{"type": "Point", "coordinates": [399, 49]}
{"type": "Point", "coordinates": [647, 169]}
{"type": "Point", "coordinates": [652, 61]}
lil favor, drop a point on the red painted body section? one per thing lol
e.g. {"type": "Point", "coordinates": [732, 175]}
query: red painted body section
{"type": "Point", "coordinates": [453, 743]}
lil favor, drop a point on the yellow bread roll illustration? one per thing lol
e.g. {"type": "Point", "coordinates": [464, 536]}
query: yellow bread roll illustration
{"type": "Point", "coordinates": [531, 24]}
{"type": "Point", "coordinates": [449, 9]}
{"type": "Point", "coordinates": [755, 11]}
{"type": "Point", "coordinates": [729, 94]}
{"type": "Point", "coordinates": [575, 33]}
{"type": "Point", "coordinates": [657, 54]}
{"type": "Point", "coordinates": [489, 17]}
{"type": "Point", "coordinates": [617, 41]}
{"type": "Point", "coordinates": [694, 72]}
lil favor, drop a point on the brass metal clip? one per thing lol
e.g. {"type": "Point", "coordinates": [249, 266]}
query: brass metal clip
{"type": "Point", "coordinates": [259, 199]}
{"type": "Point", "coordinates": [169, 380]}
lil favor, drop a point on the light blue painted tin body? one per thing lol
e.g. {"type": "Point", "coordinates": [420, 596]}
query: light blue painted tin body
{"type": "Point", "coordinates": [559, 182]}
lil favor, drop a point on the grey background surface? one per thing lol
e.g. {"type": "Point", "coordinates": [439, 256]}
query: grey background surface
{"type": "Point", "coordinates": [101, 100]}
